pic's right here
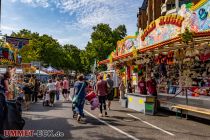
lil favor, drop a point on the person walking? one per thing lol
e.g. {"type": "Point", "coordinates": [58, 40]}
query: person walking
{"type": "Point", "coordinates": [101, 90]}
{"type": "Point", "coordinates": [51, 89]}
{"type": "Point", "coordinates": [36, 90]}
{"type": "Point", "coordinates": [32, 87]}
{"type": "Point", "coordinates": [79, 96]}
{"type": "Point", "coordinates": [58, 86]}
{"type": "Point", "coordinates": [122, 89]}
{"type": "Point", "coordinates": [27, 93]}
{"type": "Point", "coordinates": [65, 89]}
{"type": "Point", "coordinates": [110, 90]}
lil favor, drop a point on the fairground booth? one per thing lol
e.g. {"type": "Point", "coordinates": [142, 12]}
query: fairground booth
{"type": "Point", "coordinates": [10, 60]}
{"type": "Point", "coordinates": [175, 49]}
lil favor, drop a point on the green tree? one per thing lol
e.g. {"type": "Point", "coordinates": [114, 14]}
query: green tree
{"type": "Point", "coordinates": [103, 42]}
{"type": "Point", "coordinates": [73, 57]}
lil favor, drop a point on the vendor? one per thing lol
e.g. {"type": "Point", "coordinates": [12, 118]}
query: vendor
{"type": "Point", "coordinates": [129, 86]}
{"type": "Point", "coordinates": [151, 86]}
{"type": "Point", "coordinates": [142, 86]}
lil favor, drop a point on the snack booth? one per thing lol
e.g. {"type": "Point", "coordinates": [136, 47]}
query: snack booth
{"type": "Point", "coordinates": [175, 50]}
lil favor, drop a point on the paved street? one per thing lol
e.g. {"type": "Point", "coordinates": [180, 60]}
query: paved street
{"type": "Point", "coordinates": [122, 124]}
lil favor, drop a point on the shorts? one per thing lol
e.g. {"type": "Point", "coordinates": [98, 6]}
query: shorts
{"type": "Point", "coordinates": [65, 91]}
{"type": "Point", "coordinates": [110, 95]}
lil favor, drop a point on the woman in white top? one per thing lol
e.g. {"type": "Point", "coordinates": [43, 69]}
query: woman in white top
{"type": "Point", "coordinates": [52, 90]}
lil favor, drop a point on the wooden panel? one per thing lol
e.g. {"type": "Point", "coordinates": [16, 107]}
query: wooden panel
{"type": "Point", "coordinates": [193, 109]}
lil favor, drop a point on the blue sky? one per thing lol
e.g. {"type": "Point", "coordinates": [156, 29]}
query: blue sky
{"type": "Point", "coordinates": [68, 21]}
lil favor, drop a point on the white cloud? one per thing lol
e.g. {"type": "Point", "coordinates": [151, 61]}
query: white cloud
{"type": "Point", "coordinates": [91, 12]}
{"type": "Point", "coordinates": [8, 28]}
{"type": "Point", "coordinates": [84, 14]}
{"type": "Point", "coordinates": [35, 3]}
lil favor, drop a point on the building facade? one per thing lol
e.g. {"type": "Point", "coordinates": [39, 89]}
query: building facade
{"type": "Point", "coordinates": [148, 12]}
{"type": "Point", "coordinates": [153, 9]}
{"type": "Point", "coordinates": [172, 6]}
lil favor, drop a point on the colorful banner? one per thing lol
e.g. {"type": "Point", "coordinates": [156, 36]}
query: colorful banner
{"type": "Point", "coordinates": [195, 18]}
{"type": "Point", "coordinates": [17, 42]}
{"type": "Point", "coordinates": [126, 45]}
{"type": "Point", "coordinates": [162, 29]}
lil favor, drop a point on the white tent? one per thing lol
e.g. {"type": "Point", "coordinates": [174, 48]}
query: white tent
{"type": "Point", "coordinates": [41, 72]}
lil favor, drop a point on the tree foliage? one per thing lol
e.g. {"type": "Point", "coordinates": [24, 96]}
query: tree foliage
{"type": "Point", "coordinates": [103, 42]}
{"type": "Point", "coordinates": [46, 49]}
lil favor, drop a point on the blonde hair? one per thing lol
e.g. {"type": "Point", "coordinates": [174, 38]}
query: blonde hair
{"type": "Point", "coordinates": [80, 77]}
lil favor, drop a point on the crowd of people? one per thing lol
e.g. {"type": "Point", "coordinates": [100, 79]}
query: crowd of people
{"type": "Point", "coordinates": [30, 89]}
{"type": "Point", "coordinates": [103, 89]}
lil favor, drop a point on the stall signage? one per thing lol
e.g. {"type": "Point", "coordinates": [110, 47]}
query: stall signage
{"type": "Point", "coordinates": [26, 65]}
{"type": "Point", "coordinates": [19, 71]}
{"type": "Point", "coordinates": [126, 45]}
{"type": "Point", "coordinates": [197, 18]}
{"type": "Point", "coordinates": [3, 70]}
{"type": "Point", "coordinates": [164, 20]}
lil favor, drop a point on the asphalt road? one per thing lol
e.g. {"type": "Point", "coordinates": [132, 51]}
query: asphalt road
{"type": "Point", "coordinates": [122, 124]}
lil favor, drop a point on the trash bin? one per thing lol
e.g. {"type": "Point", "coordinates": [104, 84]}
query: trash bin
{"type": "Point", "coordinates": [149, 108]}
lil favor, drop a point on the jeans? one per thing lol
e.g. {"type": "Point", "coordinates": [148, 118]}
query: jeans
{"type": "Point", "coordinates": [102, 101]}
{"type": "Point", "coordinates": [80, 106]}
{"type": "Point", "coordinates": [57, 95]}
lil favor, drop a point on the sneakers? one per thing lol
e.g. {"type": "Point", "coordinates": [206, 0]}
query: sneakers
{"type": "Point", "coordinates": [78, 118]}
{"type": "Point", "coordinates": [106, 114]}
{"type": "Point", "coordinates": [100, 115]}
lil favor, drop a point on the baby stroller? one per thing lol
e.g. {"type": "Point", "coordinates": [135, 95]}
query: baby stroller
{"type": "Point", "coordinates": [46, 99]}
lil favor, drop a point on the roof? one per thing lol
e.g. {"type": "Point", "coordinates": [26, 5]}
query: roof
{"type": "Point", "coordinates": [144, 5]}
{"type": "Point", "coordinates": [41, 72]}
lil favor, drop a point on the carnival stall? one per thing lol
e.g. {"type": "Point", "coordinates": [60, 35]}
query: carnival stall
{"type": "Point", "coordinates": [175, 50]}
{"type": "Point", "coordinates": [52, 71]}
{"type": "Point", "coordinates": [10, 60]}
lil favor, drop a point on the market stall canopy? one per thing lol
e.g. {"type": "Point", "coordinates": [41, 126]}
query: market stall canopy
{"type": "Point", "coordinates": [41, 73]}
{"type": "Point", "coordinates": [51, 69]}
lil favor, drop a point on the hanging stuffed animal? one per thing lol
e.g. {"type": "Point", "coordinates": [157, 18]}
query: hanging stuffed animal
{"type": "Point", "coordinates": [179, 54]}
{"type": "Point", "coordinates": [170, 58]}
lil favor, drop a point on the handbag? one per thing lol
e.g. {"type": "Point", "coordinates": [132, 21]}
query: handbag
{"type": "Point", "coordinates": [75, 98]}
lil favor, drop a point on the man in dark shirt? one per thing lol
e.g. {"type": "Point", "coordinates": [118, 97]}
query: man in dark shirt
{"type": "Point", "coordinates": [36, 90]}
{"type": "Point", "coordinates": [110, 95]}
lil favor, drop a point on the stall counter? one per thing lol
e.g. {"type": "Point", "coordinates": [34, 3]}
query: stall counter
{"type": "Point", "coordinates": [137, 101]}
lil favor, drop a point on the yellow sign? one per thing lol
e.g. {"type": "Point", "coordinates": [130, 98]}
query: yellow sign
{"type": "Point", "coordinates": [141, 101]}
{"type": "Point", "coordinates": [130, 99]}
